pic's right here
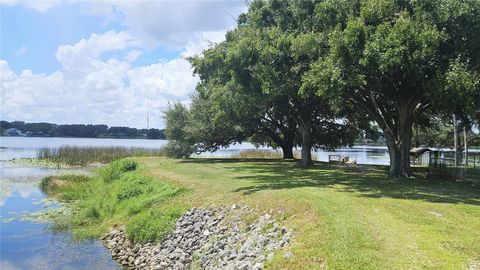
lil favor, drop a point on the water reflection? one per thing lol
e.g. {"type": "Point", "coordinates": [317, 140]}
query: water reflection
{"type": "Point", "coordinates": [362, 154]}
{"type": "Point", "coordinates": [28, 243]}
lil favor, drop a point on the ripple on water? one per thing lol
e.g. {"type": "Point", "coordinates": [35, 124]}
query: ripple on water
{"type": "Point", "coordinates": [25, 240]}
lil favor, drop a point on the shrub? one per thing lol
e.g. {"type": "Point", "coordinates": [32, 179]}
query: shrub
{"type": "Point", "coordinates": [114, 170]}
{"type": "Point", "coordinates": [133, 185]}
{"type": "Point", "coordinates": [152, 225]}
{"type": "Point", "coordinates": [178, 149]}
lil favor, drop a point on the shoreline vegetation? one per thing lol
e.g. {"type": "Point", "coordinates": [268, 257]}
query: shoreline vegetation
{"type": "Point", "coordinates": [85, 155]}
{"type": "Point", "coordinates": [359, 217]}
{"type": "Point", "coordinates": [116, 193]}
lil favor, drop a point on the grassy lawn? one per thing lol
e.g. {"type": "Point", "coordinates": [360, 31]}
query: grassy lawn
{"type": "Point", "coordinates": [343, 218]}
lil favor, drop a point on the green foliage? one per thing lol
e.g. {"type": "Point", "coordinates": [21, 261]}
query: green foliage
{"type": "Point", "coordinates": [134, 185]}
{"type": "Point", "coordinates": [152, 225]}
{"type": "Point", "coordinates": [98, 204]}
{"type": "Point", "coordinates": [250, 84]}
{"type": "Point", "coordinates": [49, 182]}
{"type": "Point", "coordinates": [114, 170]}
{"type": "Point", "coordinates": [398, 61]}
{"type": "Point", "coordinates": [180, 142]}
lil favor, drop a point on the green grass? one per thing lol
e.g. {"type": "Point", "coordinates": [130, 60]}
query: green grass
{"type": "Point", "coordinates": [58, 183]}
{"type": "Point", "coordinates": [82, 156]}
{"type": "Point", "coordinates": [118, 193]}
{"type": "Point", "coordinates": [342, 217]}
{"type": "Point", "coordinates": [153, 224]}
{"type": "Point", "coordinates": [116, 169]}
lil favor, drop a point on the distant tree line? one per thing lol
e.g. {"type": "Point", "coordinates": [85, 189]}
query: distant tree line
{"type": "Point", "coordinates": [80, 130]}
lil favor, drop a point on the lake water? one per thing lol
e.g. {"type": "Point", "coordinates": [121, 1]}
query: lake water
{"type": "Point", "coordinates": [26, 243]}
{"type": "Point", "coordinates": [18, 147]}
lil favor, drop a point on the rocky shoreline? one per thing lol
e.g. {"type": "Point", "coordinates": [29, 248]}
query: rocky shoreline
{"type": "Point", "coordinates": [205, 238]}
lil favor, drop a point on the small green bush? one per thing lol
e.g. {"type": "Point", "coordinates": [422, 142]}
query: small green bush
{"type": "Point", "coordinates": [114, 170]}
{"type": "Point", "coordinates": [179, 149]}
{"type": "Point", "coordinates": [133, 185]}
{"type": "Point", "coordinates": [48, 184]}
{"type": "Point", "coordinates": [152, 225]}
{"type": "Point", "coordinates": [92, 212]}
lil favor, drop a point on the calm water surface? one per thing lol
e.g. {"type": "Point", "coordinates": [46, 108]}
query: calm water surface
{"type": "Point", "coordinates": [18, 147]}
{"type": "Point", "coordinates": [27, 243]}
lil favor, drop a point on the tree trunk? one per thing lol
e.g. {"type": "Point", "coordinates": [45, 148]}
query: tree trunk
{"type": "Point", "coordinates": [306, 130]}
{"type": "Point", "coordinates": [399, 145]}
{"type": "Point", "coordinates": [399, 158]}
{"type": "Point", "coordinates": [465, 145]}
{"type": "Point", "coordinates": [287, 151]}
{"type": "Point", "coordinates": [289, 140]}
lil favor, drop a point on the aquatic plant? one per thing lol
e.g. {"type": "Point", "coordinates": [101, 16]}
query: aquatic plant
{"type": "Point", "coordinates": [82, 156]}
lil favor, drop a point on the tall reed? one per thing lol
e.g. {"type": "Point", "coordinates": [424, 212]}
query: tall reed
{"type": "Point", "coordinates": [297, 154]}
{"type": "Point", "coordinates": [267, 154]}
{"type": "Point", "coordinates": [83, 155]}
{"type": "Point", "coordinates": [258, 154]}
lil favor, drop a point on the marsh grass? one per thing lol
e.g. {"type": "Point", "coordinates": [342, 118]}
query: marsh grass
{"type": "Point", "coordinates": [267, 154]}
{"type": "Point", "coordinates": [258, 154]}
{"type": "Point", "coordinates": [297, 154]}
{"type": "Point", "coordinates": [122, 195]}
{"type": "Point", "coordinates": [82, 156]}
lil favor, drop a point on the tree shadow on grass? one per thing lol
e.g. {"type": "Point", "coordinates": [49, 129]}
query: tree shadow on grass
{"type": "Point", "coordinates": [366, 181]}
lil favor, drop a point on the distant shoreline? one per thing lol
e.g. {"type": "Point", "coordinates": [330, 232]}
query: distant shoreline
{"type": "Point", "coordinates": [76, 137]}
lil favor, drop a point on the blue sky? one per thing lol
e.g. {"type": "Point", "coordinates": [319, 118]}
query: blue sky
{"type": "Point", "coordinates": [103, 61]}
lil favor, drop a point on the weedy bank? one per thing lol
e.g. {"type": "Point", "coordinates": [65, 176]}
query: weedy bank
{"type": "Point", "coordinates": [117, 193]}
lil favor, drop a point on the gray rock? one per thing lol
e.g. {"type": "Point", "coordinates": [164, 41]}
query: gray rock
{"type": "Point", "coordinates": [217, 236]}
{"type": "Point", "coordinates": [288, 255]}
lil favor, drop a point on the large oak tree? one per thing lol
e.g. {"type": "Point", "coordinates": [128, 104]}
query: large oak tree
{"type": "Point", "coordinates": [397, 60]}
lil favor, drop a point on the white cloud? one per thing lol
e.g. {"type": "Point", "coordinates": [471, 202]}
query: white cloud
{"type": "Point", "coordinates": [41, 6]}
{"type": "Point", "coordinates": [81, 55]}
{"type": "Point", "coordinates": [21, 50]}
{"type": "Point", "coordinates": [88, 89]}
{"type": "Point", "coordinates": [202, 40]}
{"type": "Point", "coordinates": [98, 82]}
{"type": "Point", "coordinates": [171, 23]}
{"type": "Point", "coordinates": [132, 56]}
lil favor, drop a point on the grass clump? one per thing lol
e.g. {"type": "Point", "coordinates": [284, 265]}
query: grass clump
{"type": "Point", "coordinates": [58, 182]}
{"type": "Point", "coordinates": [118, 193]}
{"type": "Point", "coordinates": [152, 225]}
{"type": "Point", "coordinates": [134, 185]}
{"type": "Point", "coordinates": [82, 156]}
{"type": "Point", "coordinates": [115, 169]}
